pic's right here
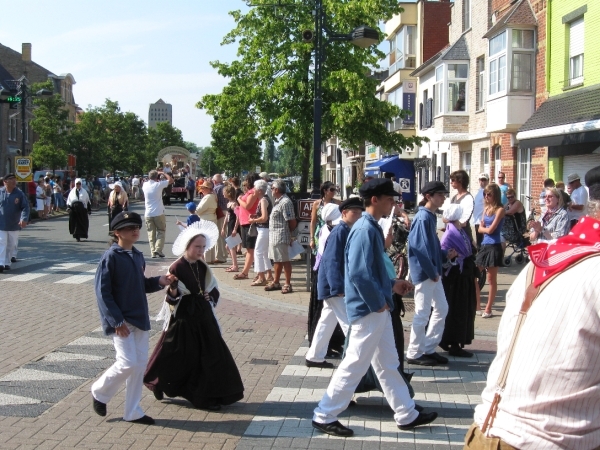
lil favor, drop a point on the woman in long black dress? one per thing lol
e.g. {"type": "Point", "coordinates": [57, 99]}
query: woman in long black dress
{"type": "Point", "coordinates": [191, 360]}
{"type": "Point", "coordinates": [79, 207]}
{"type": "Point", "coordinates": [459, 286]}
{"type": "Point", "coordinates": [117, 202]}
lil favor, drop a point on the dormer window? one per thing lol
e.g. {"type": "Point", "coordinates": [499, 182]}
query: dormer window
{"type": "Point", "coordinates": [451, 88]}
{"type": "Point", "coordinates": [511, 62]}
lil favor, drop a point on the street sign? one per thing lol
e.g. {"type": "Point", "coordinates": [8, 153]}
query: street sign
{"type": "Point", "coordinates": [305, 209]}
{"type": "Point", "coordinates": [303, 233]}
{"type": "Point", "coordinates": [257, 169]}
{"type": "Point", "coordinates": [23, 168]}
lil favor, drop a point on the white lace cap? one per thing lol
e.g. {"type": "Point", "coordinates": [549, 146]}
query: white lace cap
{"type": "Point", "coordinates": [204, 227]}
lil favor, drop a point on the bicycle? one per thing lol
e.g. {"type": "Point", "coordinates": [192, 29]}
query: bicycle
{"type": "Point", "coordinates": [397, 251]}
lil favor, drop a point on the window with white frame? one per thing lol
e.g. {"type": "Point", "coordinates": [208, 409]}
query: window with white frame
{"type": "Point", "coordinates": [576, 43]}
{"type": "Point", "coordinates": [485, 160]}
{"type": "Point", "coordinates": [438, 89]}
{"type": "Point", "coordinates": [524, 175]}
{"type": "Point", "coordinates": [497, 161]}
{"type": "Point", "coordinates": [403, 49]}
{"type": "Point", "coordinates": [522, 60]}
{"type": "Point", "coordinates": [466, 162]}
{"type": "Point", "coordinates": [480, 84]}
{"type": "Point", "coordinates": [497, 55]}
{"type": "Point", "coordinates": [457, 87]}
{"type": "Point", "coordinates": [466, 15]}
{"type": "Point", "coordinates": [12, 128]}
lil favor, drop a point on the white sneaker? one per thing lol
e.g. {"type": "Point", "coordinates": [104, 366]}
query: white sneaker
{"type": "Point", "coordinates": [485, 315]}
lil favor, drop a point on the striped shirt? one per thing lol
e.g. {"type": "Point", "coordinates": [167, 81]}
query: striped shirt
{"type": "Point", "coordinates": [282, 212]}
{"type": "Point", "coordinates": [552, 395]}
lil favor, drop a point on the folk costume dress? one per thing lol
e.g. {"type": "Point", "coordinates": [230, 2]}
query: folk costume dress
{"type": "Point", "coordinates": [191, 359]}
{"type": "Point", "coordinates": [80, 207]}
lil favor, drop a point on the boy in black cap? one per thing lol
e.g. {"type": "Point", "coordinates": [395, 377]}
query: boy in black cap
{"type": "Point", "coordinates": [425, 263]}
{"type": "Point", "coordinates": [121, 289]}
{"type": "Point", "coordinates": [330, 284]}
{"type": "Point", "coordinates": [368, 296]}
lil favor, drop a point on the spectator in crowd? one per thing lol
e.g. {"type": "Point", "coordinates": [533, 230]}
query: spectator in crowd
{"type": "Point", "coordinates": [262, 263]}
{"type": "Point", "coordinates": [40, 198]}
{"type": "Point", "coordinates": [514, 219]}
{"type": "Point", "coordinates": [560, 185]}
{"type": "Point", "coordinates": [220, 248]}
{"type": "Point", "coordinates": [80, 207]}
{"type": "Point", "coordinates": [478, 206]}
{"type": "Point", "coordinates": [47, 197]}
{"type": "Point", "coordinates": [542, 386]}
{"type": "Point", "coordinates": [265, 176]}
{"type": "Point", "coordinates": [459, 180]}
{"type": "Point", "coordinates": [190, 186]}
{"type": "Point", "coordinates": [554, 223]}
{"type": "Point", "coordinates": [491, 254]}
{"type": "Point", "coordinates": [397, 188]}
{"type": "Point", "coordinates": [14, 214]}
{"type": "Point", "coordinates": [248, 203]}
{"type": "Point", "coordinates": [154, 215]}
{"type": "Point", "coordinates": [579, 198]}
{"type": "Point", "coordinates": [117, 202]}
{"type": "Point", "coordinates": [207, 210]}
{"type": "Point", "coordinates": [31, 193]}
{"type": "Point", "coordinates": [231, 225]}
{"type": "Point", "coordinates": [548, 182]}
{"type": "Point", "coordinates": [425, 259]}
{"type": "Point", "coordinates": [235, 182]}
{"type": "Point", "coordinates": [57, 194]}
{"type": "Point", "coordinates": [135, 187]}
{"type": "Point", "coordinates": [192, 217]}
{"type": "Point", "coordinates": [503, 186]}
{"type": "Point", "coordinates": [281, 225]}
{"type": "Point", "coordinates": [368, 297]}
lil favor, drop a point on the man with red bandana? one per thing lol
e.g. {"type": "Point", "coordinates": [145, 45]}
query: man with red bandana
{"type": "Point", "coordinates": [550, 397]}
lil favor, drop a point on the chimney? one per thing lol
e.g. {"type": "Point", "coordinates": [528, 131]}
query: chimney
{"type": "Point", "coordinates": [26, 52]}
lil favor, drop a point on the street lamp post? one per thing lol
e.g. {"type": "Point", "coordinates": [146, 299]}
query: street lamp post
{"type": "Point", "coordinates": [362, 36]}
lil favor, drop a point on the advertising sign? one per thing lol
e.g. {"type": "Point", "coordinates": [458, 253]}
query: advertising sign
{"type": "Point", "coordinates": [23, 168]}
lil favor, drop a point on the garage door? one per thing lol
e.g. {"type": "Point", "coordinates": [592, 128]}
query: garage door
{"type": "Point", "coordinates": [579, 164]}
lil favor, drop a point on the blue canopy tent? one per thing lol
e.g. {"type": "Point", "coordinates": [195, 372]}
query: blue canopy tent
{"type": "Point", "coordinates": [403, 170]}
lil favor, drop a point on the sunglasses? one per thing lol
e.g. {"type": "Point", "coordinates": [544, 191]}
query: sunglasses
{"type": "Point", "coordinates": [487, 194]}
{"type": "Point", "coordinates": [332, 189]}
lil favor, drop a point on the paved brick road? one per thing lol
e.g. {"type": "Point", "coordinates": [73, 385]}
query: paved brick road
{"type": "Point", "coordinates": [52, 350]}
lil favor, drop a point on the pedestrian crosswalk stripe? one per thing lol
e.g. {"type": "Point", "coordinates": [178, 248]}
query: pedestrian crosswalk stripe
{"type": "Point", "coordinates": [26, 277]}
{"type": "Point", "coordinates": [36, 375]}
{"type": "Point", "coordinates": [8, 399]}
{"type": "Point", "coordinates": [76, 279]}
{"type": "Point", "coordinates": [88, 340]}
{"type": "Point", "coordinates": [62, 356]}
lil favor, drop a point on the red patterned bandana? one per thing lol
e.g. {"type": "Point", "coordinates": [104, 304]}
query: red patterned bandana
{"type": "Point", "coordinates": [549, 259]}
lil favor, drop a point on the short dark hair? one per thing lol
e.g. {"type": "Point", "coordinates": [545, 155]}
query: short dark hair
{"type": "Point", "coordinates": [548, 182]}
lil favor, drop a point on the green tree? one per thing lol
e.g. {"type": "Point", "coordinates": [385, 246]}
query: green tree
{"type": "Point", "coordinates": [206, 161]}
{"type": "Point", "coordinates": [269, 155]}
{"type": "Point", "coordinates": [234, 152]}
{"type": "Point", "coordinates": [270, 88]}
{"type": "Point", "coordinates": [52, 125]}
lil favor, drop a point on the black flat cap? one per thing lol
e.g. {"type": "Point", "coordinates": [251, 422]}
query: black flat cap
{"type": "Point", "coordinates": [352, 202]}
{"type": "Point", "coordinates": [126, 219]}
{"type": "Point", "coordinates": [592, 181]}
{"type": "Point", "coordinates": [377, 187]}
{"type": "Point", "coordinates": [432, 187]}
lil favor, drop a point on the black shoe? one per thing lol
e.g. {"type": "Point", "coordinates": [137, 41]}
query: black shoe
{"type": "Point", "coordinates": [322, 365]}
{"type": "Point", "coordinates": [422, 419]}
{"type": "Point", "coordinates": [423, 360]}
{"type": "Point", "coordinates": [145, 420]}
{"type": "Point", "coordinates": [13, 260]}
{"type": "Point", "coordinates": [160, 254]}
{"type": "Point", "coordinates": [419, 408]}
{"type": "Point", "coordinates": [6, 267]}
{"type": "Point", "coordinates": [158, 394]}
{"type": "Point", "coordinates": [78, 240]}
{"type": "Point", "coordinates": [99, 407]}
{"type": "Point", "coordinates": [1, 269]}
{"type": "Point", "coordinates": [352, 403]}
{"type": "Point", "coordinates": [333, 428]}
{"type": "Point", "coordinates": [439, 358]}
{"type": "Point", "coordinates": [455, 350]}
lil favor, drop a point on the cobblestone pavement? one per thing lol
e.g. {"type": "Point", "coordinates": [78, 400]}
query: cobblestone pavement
{"type": "Point", "coordinates": [52, 350]}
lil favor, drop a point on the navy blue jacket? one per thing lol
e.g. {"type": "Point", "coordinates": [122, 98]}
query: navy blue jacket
{"type": "Point", "coordinates": [330, 281]}
{"type": "Point", "coordinates": [368, 285]}
{"type": "Point", "coordinates": [425, 256]}
{"type": "Point", "coordinates": [14, 207]}
{"type": "Point", "coordinates": [121, 289]}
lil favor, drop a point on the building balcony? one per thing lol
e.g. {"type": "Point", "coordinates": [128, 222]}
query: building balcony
{"type": "Point", "coordinates": [508, 113]}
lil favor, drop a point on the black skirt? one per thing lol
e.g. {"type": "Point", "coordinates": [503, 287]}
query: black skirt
{"type": "Point", "coordinates": [459, 288]}
{"type": "Point", "coordinates": [191, 359]}
{"type": "Point", "coordinates": [490, 255]}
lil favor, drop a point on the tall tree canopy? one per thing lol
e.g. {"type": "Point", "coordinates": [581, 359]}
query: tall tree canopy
{"type": "Point", "coordinates": [270, 89]}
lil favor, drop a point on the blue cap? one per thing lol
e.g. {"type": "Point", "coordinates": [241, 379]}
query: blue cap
{"type": "Point", "coordinates": [191, 206]}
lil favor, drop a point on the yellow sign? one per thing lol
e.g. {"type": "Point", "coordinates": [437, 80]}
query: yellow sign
{"type": "Point", "coordinates": [23, 168]}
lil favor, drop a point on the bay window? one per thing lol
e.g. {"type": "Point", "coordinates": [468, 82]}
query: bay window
{"type": "Point", "coordinates": [451, 88]}
{"type": "Point", "coordinates": [511, 65]}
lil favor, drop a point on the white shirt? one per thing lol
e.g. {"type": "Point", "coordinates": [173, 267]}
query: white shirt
{"type": "Point", "coordinates": [397, 187]}
{"type": "Point", "coordinates": [153, 197]}
{"type": "Point", "coordinates": [478, 207]}
{"type": "Point", "coordinates": [578, 197]}
{"type": "Point", "coordinates": [552, 395]}
{"type": "Point", "coordinates": [39, 192]}
{"type": "Point", "coordinates": [135, 181]}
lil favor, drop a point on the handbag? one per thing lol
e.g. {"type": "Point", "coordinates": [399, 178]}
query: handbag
{"type": "Point", "coordinates": [253, 230]}
{"type": "Point", "coordinates": [220, 213]}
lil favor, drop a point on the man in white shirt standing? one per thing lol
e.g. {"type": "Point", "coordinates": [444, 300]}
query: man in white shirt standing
{"type": "Point", "coordinates": [156, 222]}
{"type": "Point", "coordinates": [484, 180]}
{"type": "Point", "coordinates": [542, 389]}
{"type": "Point", "coordinates": [135, 187]}
{"type": "Point", "coordinates": [579, 198]}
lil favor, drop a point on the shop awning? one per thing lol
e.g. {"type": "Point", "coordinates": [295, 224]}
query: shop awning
{"type": "Point", "coordinates": [403, 170]}
{"type": "Point", "coordinates": [567, 119]}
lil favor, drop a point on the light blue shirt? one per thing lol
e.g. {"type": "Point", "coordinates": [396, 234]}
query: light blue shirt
{"type": "Point", "coordinates": [478, 207]}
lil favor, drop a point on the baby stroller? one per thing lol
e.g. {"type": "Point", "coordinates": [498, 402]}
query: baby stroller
{"type": "Point", "coordinates": [513, 231]}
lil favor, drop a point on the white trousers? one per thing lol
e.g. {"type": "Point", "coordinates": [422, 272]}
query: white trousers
{"type": "Point", "coordinates": [8, 246]}
{"type": "Point", "coordinates": [428, 294]}
{"type": "Point", "coordinates": [334, 311]}
{"type": "Point", "coordinates": [129, 368]}
{"type": "Point", "coordinates": [262, 263]}
{"type": "Point", "coordinates": [371, 342]}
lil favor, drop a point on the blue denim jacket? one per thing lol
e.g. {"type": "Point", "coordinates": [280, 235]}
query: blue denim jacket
{"type": "Point", "coordinates": [330, 278]}
{"type": "Point", "coordinates": [368, 286]}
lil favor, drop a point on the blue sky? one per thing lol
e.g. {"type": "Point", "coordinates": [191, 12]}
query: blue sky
{"type": "Point", "coordinates": [131, 51]}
